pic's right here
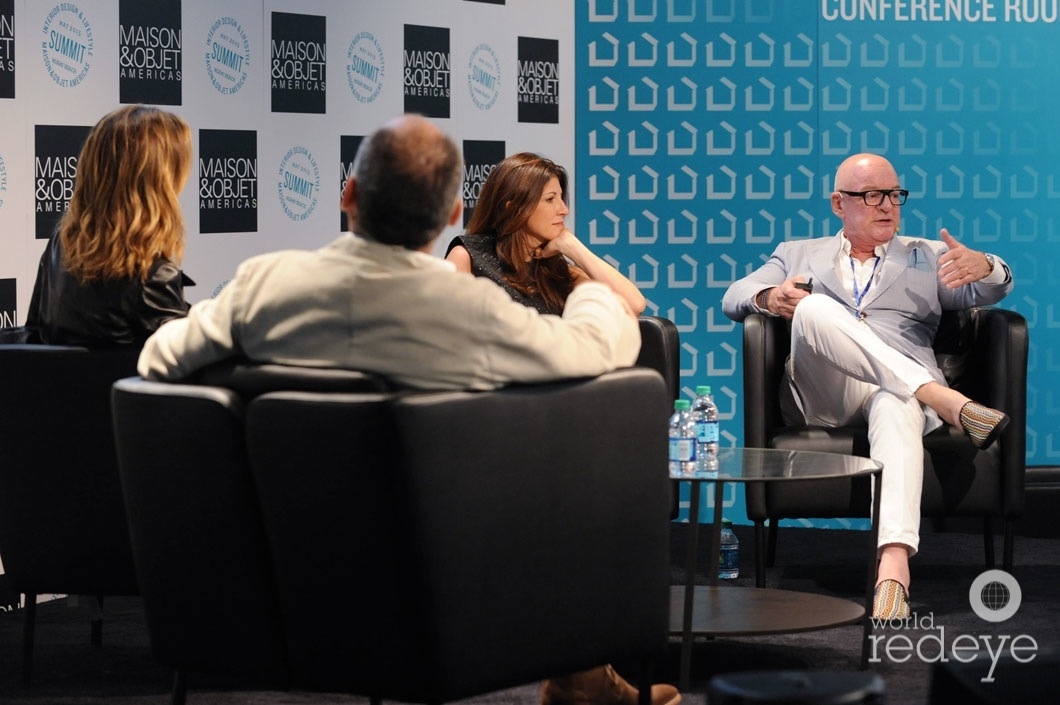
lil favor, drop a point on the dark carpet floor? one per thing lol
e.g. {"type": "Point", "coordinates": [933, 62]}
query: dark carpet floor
{"type": "Point", "coordinates": [68, 671]}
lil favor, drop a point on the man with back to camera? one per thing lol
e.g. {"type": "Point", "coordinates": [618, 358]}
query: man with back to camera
{"type": "Point", "coordinates": [861, 343]}
{"type": "Point", "coordinates": [377, 300]}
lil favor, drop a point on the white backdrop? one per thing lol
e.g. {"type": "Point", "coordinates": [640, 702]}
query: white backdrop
{"type": "Point", "coordinates": [230, 89]}
{"type": "Point", "coordinates": [62, 65]}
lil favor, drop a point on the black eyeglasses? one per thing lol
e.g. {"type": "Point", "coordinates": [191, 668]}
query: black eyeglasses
{"type": "Point", "coordinates": [896, 196]}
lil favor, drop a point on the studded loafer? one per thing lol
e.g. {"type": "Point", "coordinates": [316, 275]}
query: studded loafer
{"type": "Point", "coordinates": [982, 424]}
{"type": "Point", "coordinates": [890, 601]}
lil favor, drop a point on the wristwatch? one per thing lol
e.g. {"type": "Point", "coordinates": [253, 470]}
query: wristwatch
{"type": "Point", "coordinates": [989, 260]}
{"type": "Point", "coordinates": [762, 301]}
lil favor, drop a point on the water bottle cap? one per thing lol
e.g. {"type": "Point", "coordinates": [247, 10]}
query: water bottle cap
{"type": "Point", "coordinates": [682, 405]}
{"type": "Point", "coordinates": [703, 389]}
{"type": "Point", "coordinates": [726, 523]}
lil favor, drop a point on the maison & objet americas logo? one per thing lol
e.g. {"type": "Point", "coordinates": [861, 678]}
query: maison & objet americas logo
{"type": "Point", "coordinates": [480, 156]}
{"type": "Point", "coordinates": [150, 53]}
{"type": "Point", "coordinates": [427, 70]}
{"type": "Point", "coordinates": [299, 62]}
{"type": "Point", "coordinates": [994, 596]}
{"type": "Point", "coordinates": [56, 149]}
{"type": "Point", "coordinates": [7, 48]}
{"type": "Point", "coordinates": [228, 181]}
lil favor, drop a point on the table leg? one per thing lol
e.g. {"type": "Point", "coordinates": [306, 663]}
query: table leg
{"type": "Point", "coordinates": [715, 534]}
{"type": "Point", "coordinates": [690, 569]}
{"type": "Point", "coordinates": [690, 585]}
{"type": "Point", "coordinates": [870, 579]}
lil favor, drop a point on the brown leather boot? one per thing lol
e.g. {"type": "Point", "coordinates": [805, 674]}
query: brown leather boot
{"type": "Point", "coordinates": [601, 686]}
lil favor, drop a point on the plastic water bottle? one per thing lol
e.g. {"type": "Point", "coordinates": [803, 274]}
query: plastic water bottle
{"type": "Point", "coordinates": [682, 439]}
{"type": "Point", "coordinates": [729, 558]}
{"type": "Point", "coordinates": [705, 413]}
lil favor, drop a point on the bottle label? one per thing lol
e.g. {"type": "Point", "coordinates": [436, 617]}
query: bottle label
{"type": "Point", "coordinates": [707, 432]}
{"type": "Point", "coordinates": [682, 449]}
{"type": "Point", "coordinates": [729, 562]}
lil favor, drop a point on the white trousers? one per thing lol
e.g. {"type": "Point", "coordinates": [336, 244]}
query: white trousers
{"type": "Point", "coordinates": [843, 374]}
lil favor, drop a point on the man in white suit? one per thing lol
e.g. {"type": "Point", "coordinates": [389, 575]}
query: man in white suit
{"type": "Point", "coordinates": [861, 343]}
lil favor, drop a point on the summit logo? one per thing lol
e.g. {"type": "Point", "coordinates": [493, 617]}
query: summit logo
{"type": "Point", "coordinates": [365, 67]}
{"type": "Point", "coordinates": [484, 76]}
{"type": "Point", "coordinates": [3, 181]}
{"type": "Point", "coordinates": [298, 183]}
{"type": "Point", "coordinates": [68, 45]}
{"type": "Point", "coordinates": [228, 56]}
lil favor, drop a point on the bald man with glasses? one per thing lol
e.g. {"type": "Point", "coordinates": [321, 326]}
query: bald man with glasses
{"type": "Point", "coordinates": [864, 307]}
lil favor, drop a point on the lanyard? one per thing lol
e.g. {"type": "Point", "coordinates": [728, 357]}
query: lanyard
{"type": "Point", "coordinates": [859, 296]}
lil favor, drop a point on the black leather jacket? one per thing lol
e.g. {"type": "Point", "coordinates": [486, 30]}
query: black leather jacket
{"type": "Point", "coordinates": [62, 311]}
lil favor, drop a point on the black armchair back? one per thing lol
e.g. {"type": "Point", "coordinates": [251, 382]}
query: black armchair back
{"type": "Point", "coordinates": [983, 352]}
{"type": "Point", "coordinates": [62, 520]}
{"type": "Point", "coordinates": [198, 540]}
{"type": "Point", "coordinates": [424, 547]}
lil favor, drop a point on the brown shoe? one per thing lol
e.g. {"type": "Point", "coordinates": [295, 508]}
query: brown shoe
{"type": "Point", "coordinates": [601, 686]}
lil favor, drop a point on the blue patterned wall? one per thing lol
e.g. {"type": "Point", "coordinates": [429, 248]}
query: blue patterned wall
{"type": "Point", "coordinates": [708, 131]}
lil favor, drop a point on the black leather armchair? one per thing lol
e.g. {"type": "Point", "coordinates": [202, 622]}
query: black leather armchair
{"type": "Point", "coordinates": [473, 541]}
{"type": "Point", "coordinates": [197, 536]}
{"type": "Point", "coordinates": [660, 350]}
{"type": "Point", "coordinates": [62, 519]}
{"type": "Point", "coordinates": [983, 352]}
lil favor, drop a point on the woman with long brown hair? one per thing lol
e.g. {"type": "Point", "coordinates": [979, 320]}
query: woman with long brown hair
{"type": "Point", "coordinates": [517, 237]}
{"type": "Point", "coordinates": [110, 275]}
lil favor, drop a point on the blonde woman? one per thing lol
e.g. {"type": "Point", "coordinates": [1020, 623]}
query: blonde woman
{"type": "Point", "coordinates": [110, 275]}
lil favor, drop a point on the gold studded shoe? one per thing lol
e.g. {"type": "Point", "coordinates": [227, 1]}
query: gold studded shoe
{"type": "Point", "coordinates": [890, 601]}
{"type": "Point", "coordinates": [982, 424]}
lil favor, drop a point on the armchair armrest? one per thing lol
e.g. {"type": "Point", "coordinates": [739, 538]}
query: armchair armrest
{"type": "Point", "coordinates": [998, 364]}
{"type": "Point", "coordinates": [766, 342]}
{"type": "Point", "coordinates": [660, 349]}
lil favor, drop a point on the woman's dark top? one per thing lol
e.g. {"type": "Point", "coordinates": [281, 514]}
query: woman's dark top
{"type": "Point", "coordinates": [63, 311]}
{"type": "Point", "coordinates": [486, 263]}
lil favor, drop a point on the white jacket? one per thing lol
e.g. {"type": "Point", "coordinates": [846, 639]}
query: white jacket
{"type": "Point", "coordinates": [406, 315]}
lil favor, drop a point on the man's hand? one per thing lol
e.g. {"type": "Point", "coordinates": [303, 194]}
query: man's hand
{"type": "Point", "coordinates": [782, 300]}
{"type": "Point", "coordinates": [961, 265]}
